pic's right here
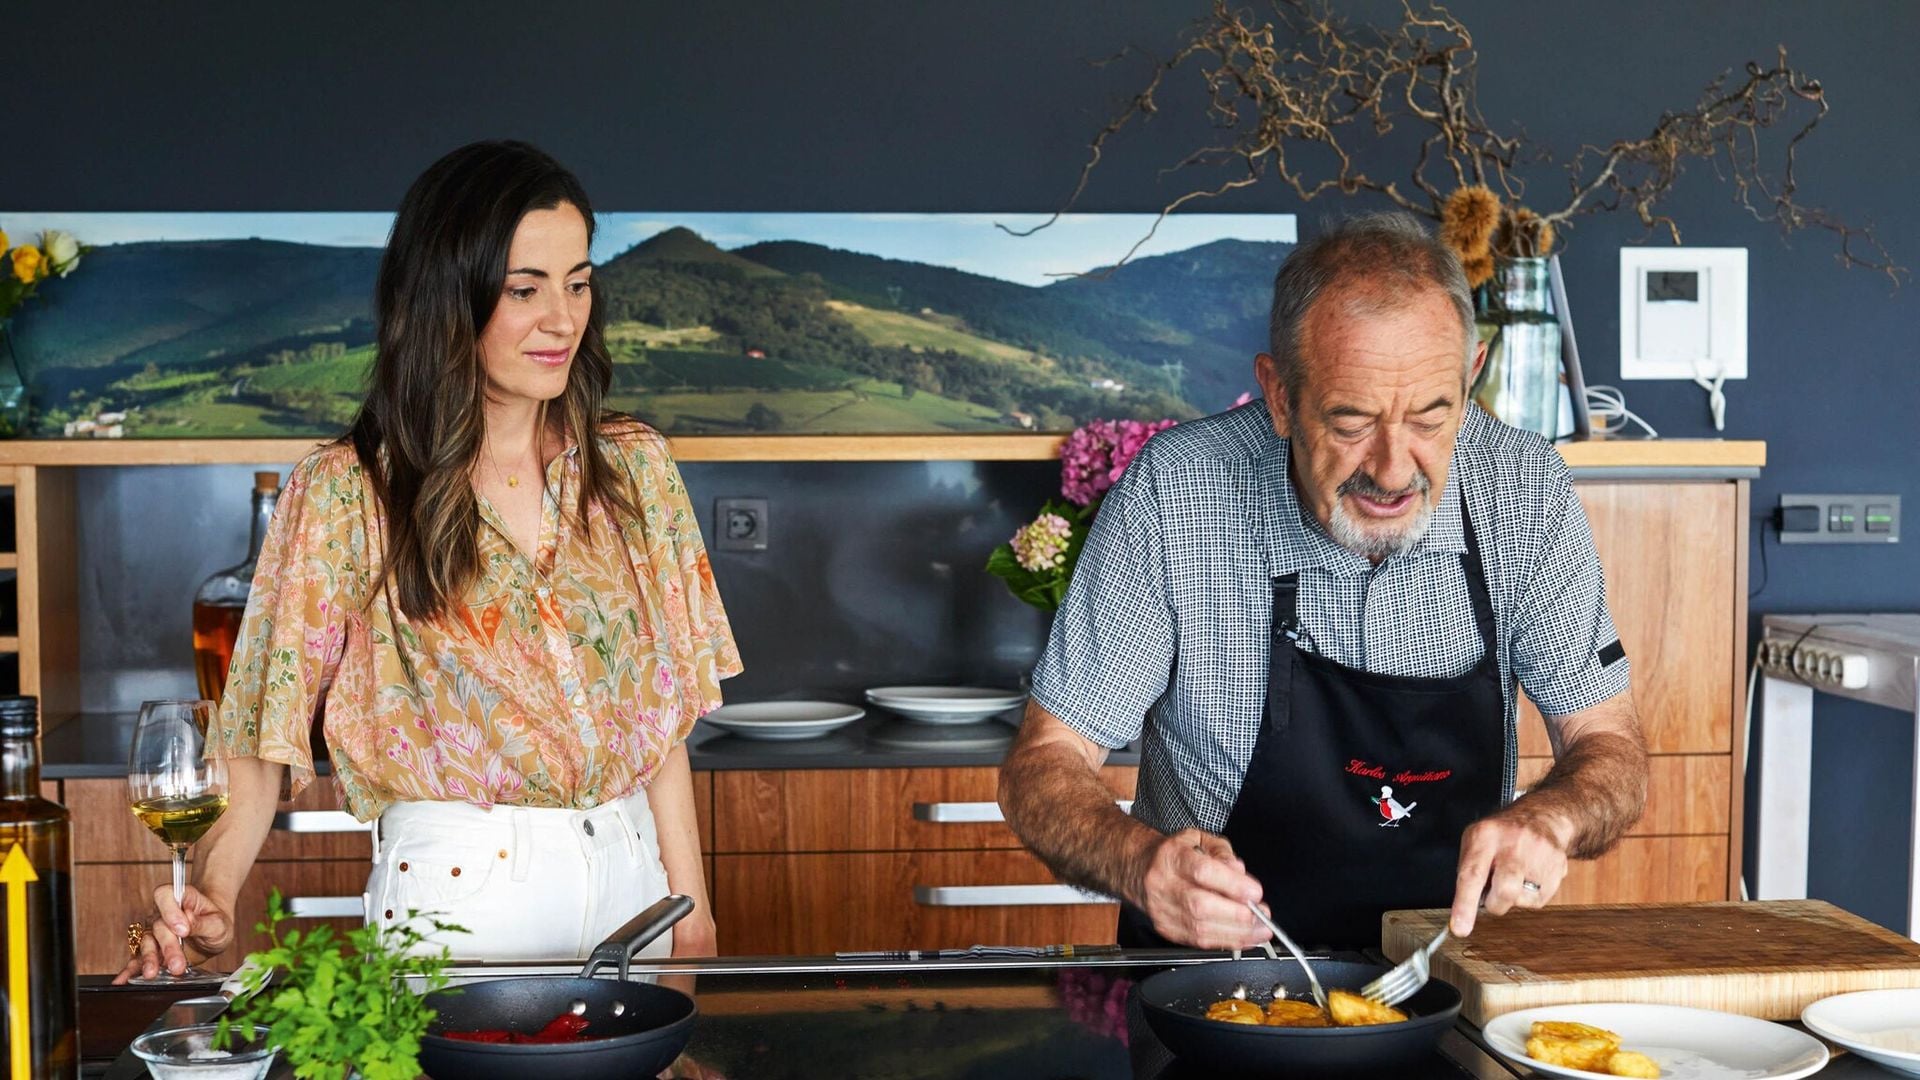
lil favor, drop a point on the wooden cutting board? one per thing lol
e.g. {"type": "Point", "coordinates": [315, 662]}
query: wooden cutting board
{"type": "Point", "coordinates": [1765, 958]}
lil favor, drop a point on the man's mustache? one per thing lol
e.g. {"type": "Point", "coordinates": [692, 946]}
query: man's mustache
{"type": "Point", "coordinates": [1362, 484]}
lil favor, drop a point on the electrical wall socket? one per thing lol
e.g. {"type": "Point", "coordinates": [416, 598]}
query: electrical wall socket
{"type": "Point", "coordinates": [740, 524]}
{"type": "Point", "coordinates": [1840, 519]}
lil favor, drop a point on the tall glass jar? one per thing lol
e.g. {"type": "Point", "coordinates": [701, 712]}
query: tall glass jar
{"type": "Point", "coordinates": [1520, 384]}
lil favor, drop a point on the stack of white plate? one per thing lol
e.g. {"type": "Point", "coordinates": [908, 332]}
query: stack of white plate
{"type": "Point", "coordinates": [1882, 1026]}
{"type": "Point", "coordinates": [783, 721]}
{"type": "Point", "coordinates": [945, 704]}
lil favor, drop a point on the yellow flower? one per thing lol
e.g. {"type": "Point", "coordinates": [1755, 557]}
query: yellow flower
{"type": "Point", "coordinates": [26, 262]}
{"type": "Point", "coordinates": [3, 241]}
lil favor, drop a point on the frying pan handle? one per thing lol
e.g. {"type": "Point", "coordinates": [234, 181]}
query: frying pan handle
{"type": "Point", "coordinates": [620, 945]}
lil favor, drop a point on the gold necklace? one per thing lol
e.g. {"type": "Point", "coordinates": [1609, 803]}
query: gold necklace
{"type": "Point", "coordinates": [512, 479]}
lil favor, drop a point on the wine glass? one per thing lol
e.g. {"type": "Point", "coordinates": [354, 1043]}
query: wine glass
{"type": "Point", "coordinates": [178, 788]}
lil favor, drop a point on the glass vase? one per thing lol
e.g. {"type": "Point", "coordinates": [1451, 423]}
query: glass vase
{"type": "Point", "coordinates": [1520, 382]}
{"type": "Point", "coordinates": [13, 387]}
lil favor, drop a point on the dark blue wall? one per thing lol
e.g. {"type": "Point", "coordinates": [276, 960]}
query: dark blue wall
{"type": "Point", "coordinates": [882, 104]}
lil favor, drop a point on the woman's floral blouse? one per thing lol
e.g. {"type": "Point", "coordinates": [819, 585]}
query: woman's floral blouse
{"type": "Point", "coordinates": [563, 680]}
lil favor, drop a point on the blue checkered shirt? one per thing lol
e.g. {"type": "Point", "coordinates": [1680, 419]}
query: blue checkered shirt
{"type": "Point", "coordinates": [1163, 634]}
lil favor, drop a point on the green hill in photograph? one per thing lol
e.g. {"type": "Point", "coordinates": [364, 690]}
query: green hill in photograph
{"type": "Point", "coordinates": [256, 337]}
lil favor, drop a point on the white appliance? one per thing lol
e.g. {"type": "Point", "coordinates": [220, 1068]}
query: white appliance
{"type": "Point", "coordinates": [1871, 658]}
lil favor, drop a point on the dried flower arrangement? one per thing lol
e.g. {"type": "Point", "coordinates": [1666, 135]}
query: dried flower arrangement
{"type": "Point", "coordinates": [1295, 97]}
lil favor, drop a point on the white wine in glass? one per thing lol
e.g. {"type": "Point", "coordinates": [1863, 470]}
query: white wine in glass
{"type": "Point", "coordinates": [178, 788]}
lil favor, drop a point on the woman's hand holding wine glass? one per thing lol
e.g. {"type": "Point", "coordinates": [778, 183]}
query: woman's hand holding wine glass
{"type": "Point", "coordinates": [178, 789]}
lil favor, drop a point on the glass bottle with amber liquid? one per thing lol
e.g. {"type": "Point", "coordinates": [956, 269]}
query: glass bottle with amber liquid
{"type": "Point", "coordinates": [37, 964]}
{"type": "Point", "coordinates": [221, 601]}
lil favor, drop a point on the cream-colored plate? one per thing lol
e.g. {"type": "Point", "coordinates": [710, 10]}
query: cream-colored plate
{"type": "Point", "coordinates": [1687, 1044]}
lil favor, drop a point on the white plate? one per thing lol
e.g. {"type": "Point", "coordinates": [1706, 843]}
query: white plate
{"type": "Point", "coordinates": [1882, 1026]}
{"type": "Point", "coordinates": [781, 721]}
{"type": "Point", "coordinates": [945, 704]}
{"type": "Point", "coordinates": [1687, 1044]}
{"type": "Point", "coordinates": [906, 735]}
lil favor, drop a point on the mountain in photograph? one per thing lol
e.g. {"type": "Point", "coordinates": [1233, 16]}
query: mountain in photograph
{"type": "Point", "coordinates": [255, 337]}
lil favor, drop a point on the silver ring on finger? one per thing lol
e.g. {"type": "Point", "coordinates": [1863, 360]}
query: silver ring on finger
{"type": "Point", "coordinates": [1531, 886]}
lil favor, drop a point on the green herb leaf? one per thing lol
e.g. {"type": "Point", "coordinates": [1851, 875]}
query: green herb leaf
{"type": "Point", "coordinates": [332, 1011]}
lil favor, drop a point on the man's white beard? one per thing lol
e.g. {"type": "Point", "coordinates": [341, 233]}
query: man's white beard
{"type": "Point", "coordinates": [1380, 541]}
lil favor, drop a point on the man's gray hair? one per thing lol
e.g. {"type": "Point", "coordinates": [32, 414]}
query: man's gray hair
{"type": "Point", "coordinates": [1389, 254]}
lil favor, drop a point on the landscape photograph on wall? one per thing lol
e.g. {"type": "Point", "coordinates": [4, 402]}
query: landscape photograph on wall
{"type": "Point", "coordinates": [209, 325]}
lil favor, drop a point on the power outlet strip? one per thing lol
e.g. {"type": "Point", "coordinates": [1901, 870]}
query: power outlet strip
{"type": "Point", "coordinates": [1816, 665]}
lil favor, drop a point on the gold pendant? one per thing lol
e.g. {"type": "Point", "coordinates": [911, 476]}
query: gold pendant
{"type": "Point", "coordinates": [513, 481]}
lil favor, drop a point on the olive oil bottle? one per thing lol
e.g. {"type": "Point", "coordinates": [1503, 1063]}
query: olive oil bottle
{"type": "Point", "coordinates": [37, 967]}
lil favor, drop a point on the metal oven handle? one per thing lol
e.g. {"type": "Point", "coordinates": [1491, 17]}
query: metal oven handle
{"type": "Point", "coordinates": [319, 821]}
{"type": "Point", "coordinates": [969, 813]}
{"type": "Point", "coordinates": [1004, 895]}
{"type": "Point", "coordinates": [326, 907]}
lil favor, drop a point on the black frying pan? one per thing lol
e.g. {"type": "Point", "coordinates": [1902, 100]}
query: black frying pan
{"type": "Point", "coordinates": [1175, 1003]}
{"type": "Point", "coordinates": [641, 1027]}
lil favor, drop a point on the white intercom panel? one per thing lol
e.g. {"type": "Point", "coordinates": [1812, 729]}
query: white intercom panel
{"type": "Point", "coordinates": [1683, 313]}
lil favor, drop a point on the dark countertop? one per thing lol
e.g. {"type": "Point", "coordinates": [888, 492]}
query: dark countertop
{"type": "Point", "coordinates": [775, 1018]}
{"type": "Point", "coordinates": [96, 744]}
{"type": "Point", "coordinates": [928, 1021]}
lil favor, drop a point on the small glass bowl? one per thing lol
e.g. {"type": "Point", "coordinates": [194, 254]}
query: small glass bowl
{"type": "Point", "coordinates": [186, 1053]}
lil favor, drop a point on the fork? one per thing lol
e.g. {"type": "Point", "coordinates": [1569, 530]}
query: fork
{"type": "Point", "coordinates": [1407, 977]}
{"type": "Point", "coordinates": [1313, 981]}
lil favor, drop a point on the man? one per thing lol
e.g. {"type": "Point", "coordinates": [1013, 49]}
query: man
{"type": "Point", "coordinates": [1314, 611]}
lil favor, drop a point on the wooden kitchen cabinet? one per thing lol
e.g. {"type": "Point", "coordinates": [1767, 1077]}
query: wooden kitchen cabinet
{"type": "Point", "coordinates": [118, 863]}
{"type": "Point", "coordinates": [817, 904]}
{"type": "Point", "coordinates": [108, 896]}
{"type": "Point", "coordinates": [1675, 558]}
{"type": "Point", "coordinates": [818, 860]}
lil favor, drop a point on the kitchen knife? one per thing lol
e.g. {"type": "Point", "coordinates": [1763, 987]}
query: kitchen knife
{"type": "Point", "coordinates": [208, 1007]}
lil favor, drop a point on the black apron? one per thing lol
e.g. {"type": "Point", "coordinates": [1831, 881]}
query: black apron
{"type": "Point", "coordinates": [1360, 785]}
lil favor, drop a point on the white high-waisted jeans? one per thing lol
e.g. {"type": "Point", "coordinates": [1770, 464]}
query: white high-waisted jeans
{"type": "Point", "coordinates": [526, 883]}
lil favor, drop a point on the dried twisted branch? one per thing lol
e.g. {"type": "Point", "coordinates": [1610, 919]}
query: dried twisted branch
{"type": "Point", "coordinates": [1294, 97]}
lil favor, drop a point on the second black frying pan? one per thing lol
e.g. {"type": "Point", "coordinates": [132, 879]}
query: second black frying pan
{"type": "Point", "coordinates": [635, 1029]}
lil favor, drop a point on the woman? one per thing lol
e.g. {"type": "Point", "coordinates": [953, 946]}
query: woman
{"type": "Point", "coordinates": [501, 594]}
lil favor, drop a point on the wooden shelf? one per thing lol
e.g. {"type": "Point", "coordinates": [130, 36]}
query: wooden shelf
{"type": "Point", "coordinates": [9, 560]}
{"type": "Point", "coordinates": [9, 644]}
{"type": "Point", "coordinates": [1606, 453]}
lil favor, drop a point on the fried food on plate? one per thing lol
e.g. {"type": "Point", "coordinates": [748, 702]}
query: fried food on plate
{"type": "Point", "coordinates": [1352, 1010]}
{"type": "Point", "coordinates": [1235, 1011]}
{"type": "Point", "coordinates": [1631, 1063]}
{"type": "Point", "coordinates": [1567, 1029]}
{"type": "Point", "coordinates": [1582, 1046]}
{"type": "Point", "coordinates": [1588, 1054]}
{"type": "Point", "coordinates": [1287, 1012]}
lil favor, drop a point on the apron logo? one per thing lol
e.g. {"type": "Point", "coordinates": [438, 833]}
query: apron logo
{"type": "Point", "coordinates": [1391, 812]}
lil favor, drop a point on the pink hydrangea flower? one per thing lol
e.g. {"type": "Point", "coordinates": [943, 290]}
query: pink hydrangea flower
{"type": "Point", "coordinates": [1098, 452]}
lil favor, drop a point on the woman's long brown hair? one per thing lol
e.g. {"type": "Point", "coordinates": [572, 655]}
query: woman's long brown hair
{"type": "Point", "coordinates": [423, 422]}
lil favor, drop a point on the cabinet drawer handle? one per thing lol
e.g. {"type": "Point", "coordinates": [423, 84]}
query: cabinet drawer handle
{"type": "Point", "coordinates": [967, 813]}
{"type": "Point", "coordinates": [1004, 895]}
{"type": "Point", "coordinates": [326, 907]}
{"type": "Point", "coordinates": [318, 821]}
